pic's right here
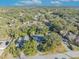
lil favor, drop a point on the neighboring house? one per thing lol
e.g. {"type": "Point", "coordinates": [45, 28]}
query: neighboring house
{"type": "Point", "coordinates": [77, 40]}
{"type": "Point", "coordinates": [36, 17]}
{"type": "Point", "coordinates": [21, 40]}
{"type": "Point", "coordinates": [3, 45]}
{"type": "Point", "coordinates": [71, 36]}
{"type": "Point", "coordinates": [39, 38]}
{"type": "Point", "coordinates": [47, 22]}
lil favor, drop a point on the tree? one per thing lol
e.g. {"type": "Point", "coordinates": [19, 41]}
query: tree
{"type": "Point", "coordinates": [44, 47]}
{"type": "Point", "coordinates": [57, 43]}
{"type": "Point", "coordinates": [14, 50]}
{"type": "Point", "coordinates": [30, 47]}
{"type": "Point", "coordinates": [12, 33]}
{"type": "Point", "coordinates": [57, 24]}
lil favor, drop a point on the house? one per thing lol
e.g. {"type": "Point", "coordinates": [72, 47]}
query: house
{"type": "Point", "coordinates": [39, 38]}
{"type": "Point", "coordinates": [3, 44]}
{"type": "Point", "coordinates": [77, 41]}
{"type": "Point", "coordinates": [69, 36]}
{"type": "Point", "coordinates": [36, 17]}
{"type": "Point", "coordinates": [19, 43]}
{"type": "Point", "coordinates": [48, 23]}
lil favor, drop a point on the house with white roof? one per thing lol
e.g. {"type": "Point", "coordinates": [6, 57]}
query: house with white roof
{"type": "Point", "coordinates": [3, 45]}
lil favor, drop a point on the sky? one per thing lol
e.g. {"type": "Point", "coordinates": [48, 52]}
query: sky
{"type": "Point", "coordinates": [39, 2]}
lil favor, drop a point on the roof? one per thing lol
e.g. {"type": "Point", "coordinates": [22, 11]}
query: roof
{"type": "Point", "coordinates": [77, 39]}
{"type": "Point", "coordinates": [21, 40]}
{"type": "Point", "coordinates": [38, 38]}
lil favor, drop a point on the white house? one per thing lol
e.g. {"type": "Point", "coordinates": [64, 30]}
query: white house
{"type": "Point", "coordinates": [3, 45]}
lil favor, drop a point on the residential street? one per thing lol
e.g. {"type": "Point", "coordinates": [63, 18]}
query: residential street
{"type": "Point", "coordinates": [67, 55]}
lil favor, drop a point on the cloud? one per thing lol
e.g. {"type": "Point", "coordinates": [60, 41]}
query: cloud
{"type": "Point", "coordinates": [69, 0]}
{"type": "Point", "coordinates": [28, 2]}
{"type": "Point", "coordinates": [41, 2]}
{"type": "Point", "coordinates": [60, 2]}
{"type": "Point", "coordinates": [56, 3]}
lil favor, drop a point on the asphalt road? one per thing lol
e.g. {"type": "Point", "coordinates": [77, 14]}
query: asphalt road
{"type": "Point", "coordinates": [67, 55]}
